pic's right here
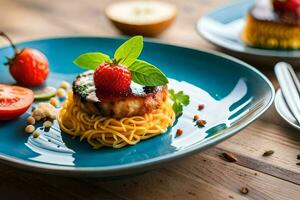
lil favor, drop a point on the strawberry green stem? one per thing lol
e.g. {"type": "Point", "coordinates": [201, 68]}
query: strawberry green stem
{"type": "Point", "coordinates": [115, 62]}
{"type": "Point", "coordinates": [10, 41]}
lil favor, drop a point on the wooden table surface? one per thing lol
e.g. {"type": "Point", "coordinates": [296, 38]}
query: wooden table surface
{"type": "Point", "coordinates": [201, 176]}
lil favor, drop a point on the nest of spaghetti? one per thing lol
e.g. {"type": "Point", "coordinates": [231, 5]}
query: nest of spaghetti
{"type": "Point", "coordinates": [115, 121]}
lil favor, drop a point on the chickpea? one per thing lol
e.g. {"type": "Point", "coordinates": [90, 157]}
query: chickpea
{"type": "Point", "coordinates": [65, 85]}
{"type": "Point", "coordinates": [30, 120]}
{"type": "Point", "coordinates": [37, 114]}
{"type": "Point", "coordinates": [61, 93]}
{"type": "Point", "coordinates": [54, 101]}
{"type": "Point", "coordinates": [29, 129]}
{"type": "Point", "coordinates": [35, 134]}
{"type": "Point", "coordinates": [47, 124]}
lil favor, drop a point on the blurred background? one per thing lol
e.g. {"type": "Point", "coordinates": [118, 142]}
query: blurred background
{"type": "Point", "coordinates": [32, 19]}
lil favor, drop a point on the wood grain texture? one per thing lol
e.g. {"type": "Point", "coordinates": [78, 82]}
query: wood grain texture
{"type": "Point", "coordinates": [250, 144]}
{"type": "Point", "coordinates": [167, 184]}
{"type": "Point", "coordinates": [232, 176]}
{"type": "Point", "coordinates": [202, 176]}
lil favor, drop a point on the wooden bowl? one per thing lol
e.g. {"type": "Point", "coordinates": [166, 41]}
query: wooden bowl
{"type": "Point", "coordinates": [148, 18]}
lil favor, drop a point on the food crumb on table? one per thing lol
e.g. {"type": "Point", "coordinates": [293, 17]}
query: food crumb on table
{"type": "Point", "coordinates": [229, 157]}
{"type": "Point", "coordinates": [268, 153]}
{"type": "Point", "coordinates": [244, 190]}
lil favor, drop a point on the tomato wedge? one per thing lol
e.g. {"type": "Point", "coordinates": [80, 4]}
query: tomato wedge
{"type": "Point", "coordinates": [14, 101]}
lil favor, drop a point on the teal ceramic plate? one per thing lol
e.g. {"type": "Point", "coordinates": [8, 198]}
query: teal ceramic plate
{"type": "Point", "coordinates": [223, 27]}
{"type": "Point", "coordinates": [234, 94]}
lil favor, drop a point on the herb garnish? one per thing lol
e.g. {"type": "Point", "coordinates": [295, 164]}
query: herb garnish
{"type": "Point", "coordinates": [129, 51]}
{"type": "Point", "coordinates": [142, 72]}
{"type": "Point", "coordinates": [179, 100]}
{"type": "Point", "coordinates": [82, 90]}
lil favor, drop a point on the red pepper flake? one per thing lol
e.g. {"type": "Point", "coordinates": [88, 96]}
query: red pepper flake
{"type": "Point", "coordinates": [200, 106]}
{"type": "Point", "coordinates": [196, 117]}
{"type": "Point", "coordinates": [179, 132]}
{"type": "Point", "coordinates": [201, 123]}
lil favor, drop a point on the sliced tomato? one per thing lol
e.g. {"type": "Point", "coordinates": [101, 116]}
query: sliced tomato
{"type": "Point", "coordinates": [14, 101]}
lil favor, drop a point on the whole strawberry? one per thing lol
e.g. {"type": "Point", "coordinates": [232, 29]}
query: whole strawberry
{"type": "Point", "coordinates": [286, 5]}
{"type": "Point", "coordinates": [29, 67]}
{"type": "Point", "coordinates": [111, 79]}
{"type": "Point", "coordinates": [292, 5]}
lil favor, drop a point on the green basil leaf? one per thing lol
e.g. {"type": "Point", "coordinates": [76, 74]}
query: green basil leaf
{"type": "Point", "coordinates": [129, 51]}
{"type": "Point", "coordinates": [91, 60]}
{"type": "Point", "coordinates": [146, 74]}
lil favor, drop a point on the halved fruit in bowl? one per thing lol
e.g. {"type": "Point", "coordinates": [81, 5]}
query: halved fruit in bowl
{"type": "Point", "coordinates": [148, 18]}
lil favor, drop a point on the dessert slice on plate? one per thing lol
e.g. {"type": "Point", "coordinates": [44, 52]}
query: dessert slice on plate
{"type": "Point", "coordinates": [273, 24]}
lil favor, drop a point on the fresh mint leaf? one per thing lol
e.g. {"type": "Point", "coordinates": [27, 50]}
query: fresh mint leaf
{"type": "Point", "coordinates": [146, 74]}
{"type": "Point", "coordinates": [91, 60]}
{"type": "Point", "coordinates": [129, 51]}
{"type": "Point", "coordinates": [179, 100]}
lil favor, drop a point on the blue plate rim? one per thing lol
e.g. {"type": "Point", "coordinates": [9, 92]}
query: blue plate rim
{"type": "Point", "coordinates": [251, 50]}
{"type": "Point", "coordinates": [105, 170]}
